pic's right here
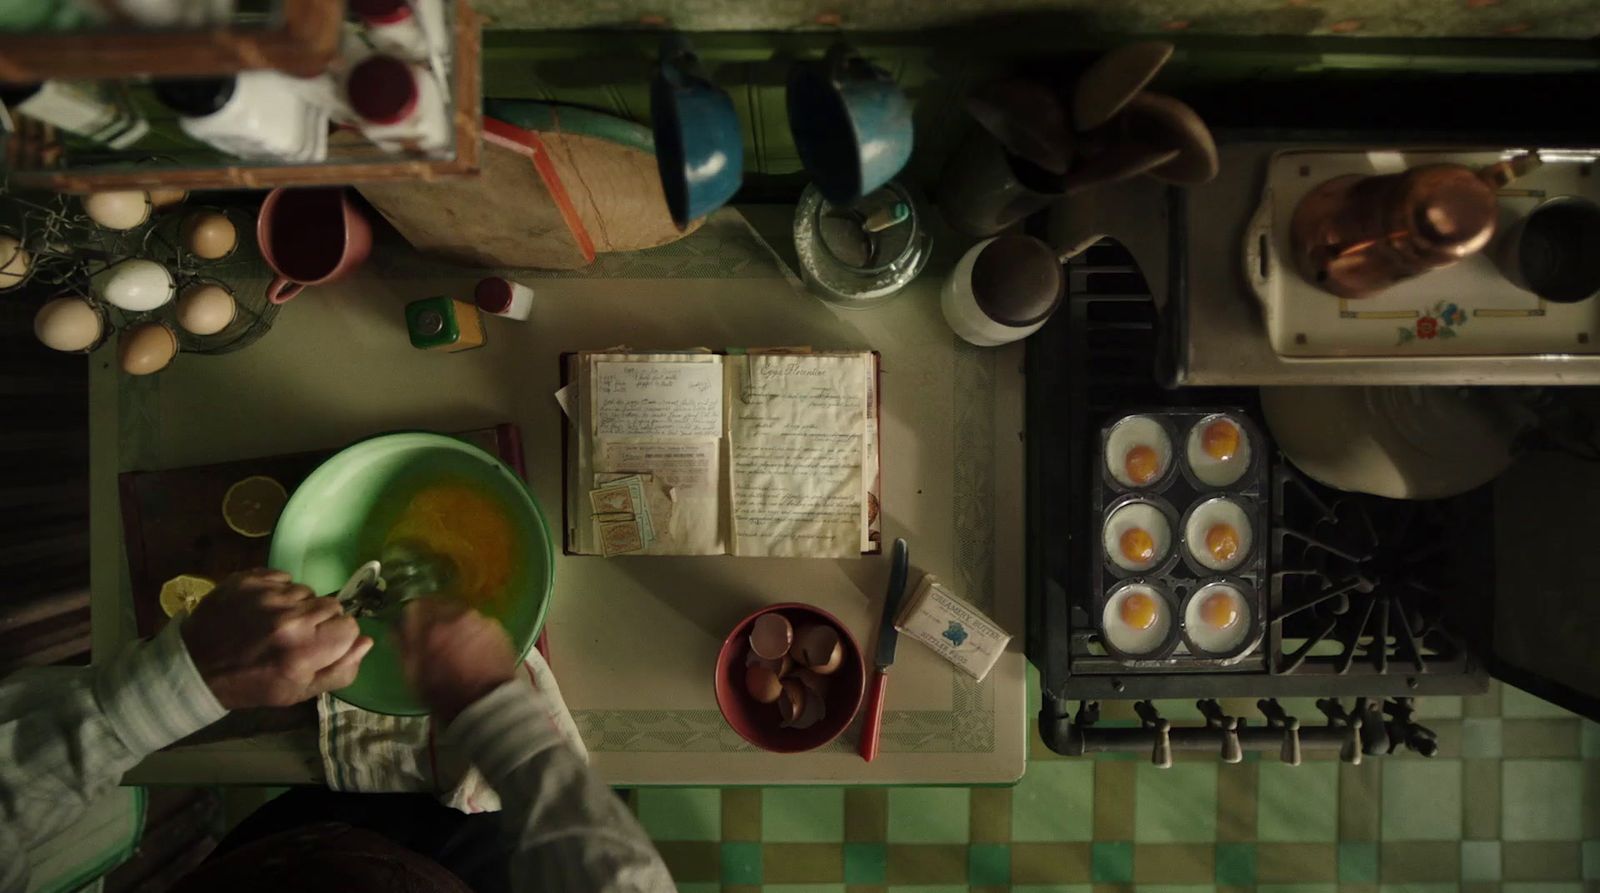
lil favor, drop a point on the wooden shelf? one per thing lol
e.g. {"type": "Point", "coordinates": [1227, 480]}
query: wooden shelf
{"type": "Point", "coordinates": [32, 151]}
{"type": "Point", "coordinates": [303, 45]}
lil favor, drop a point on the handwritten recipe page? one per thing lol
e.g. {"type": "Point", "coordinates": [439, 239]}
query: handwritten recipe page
{"type": "Point", "coordinates": [797, 442]}
{"type": "Point", "coordinates": [662, 416]}
{"type": "Point", "coordinates": [651, 400]}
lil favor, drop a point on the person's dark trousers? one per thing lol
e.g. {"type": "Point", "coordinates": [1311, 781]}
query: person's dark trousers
{"type": "Point", "coordinates": [468, 845]}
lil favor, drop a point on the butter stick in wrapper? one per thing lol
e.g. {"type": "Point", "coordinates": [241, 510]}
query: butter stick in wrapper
{"type": "Point", "coordinates": [960, 633]}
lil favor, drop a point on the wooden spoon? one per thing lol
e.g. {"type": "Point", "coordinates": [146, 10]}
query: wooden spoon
{"type": "Point", "coordinates": [1162, 120]}
{"type": "Point", "coordinates": [1027, 118]}
{"type": "Point", "coordinates": [1113, 79]}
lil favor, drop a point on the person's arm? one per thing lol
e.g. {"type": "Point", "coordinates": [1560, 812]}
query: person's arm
{"type": "Point", "coordinates": [565, 829]}
{"type": "Point", "coordinates": [68, 734]}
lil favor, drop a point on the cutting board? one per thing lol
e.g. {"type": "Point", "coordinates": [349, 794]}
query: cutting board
{"type": "Point", "coordinates": [172, 520]}
{"type": "Point", "coordinates": [557, 186]}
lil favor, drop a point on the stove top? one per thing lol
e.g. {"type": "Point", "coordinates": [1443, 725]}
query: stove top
{"type": "Point", "coordinates": [1367, 586]}
{"type": "Point", "coordinates": [1369, 598]}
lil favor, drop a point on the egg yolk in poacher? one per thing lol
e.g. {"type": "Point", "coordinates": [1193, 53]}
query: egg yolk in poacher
{"type": "Point", "coordinates": [1222, 541]}
{"type": "Point", "coordinates": [462, 524]}
{"type": "Point", "coordinates": [1220, 440]}
{"type": "Point", "coordinates": [1142, 464]}
{"type": "Point", "coordinates": [1137, 545]}
{"type": "Point", "coordinates": [1138, 611]}
{"type": "Point", "coordinates": [1218, 611]}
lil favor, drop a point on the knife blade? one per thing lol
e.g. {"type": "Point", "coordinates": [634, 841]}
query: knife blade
{"type": "Point", "coordinates": [883, 655]}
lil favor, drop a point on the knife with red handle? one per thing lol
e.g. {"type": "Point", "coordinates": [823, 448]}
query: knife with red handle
{"type": "Point", "coordinates": [888, 636]}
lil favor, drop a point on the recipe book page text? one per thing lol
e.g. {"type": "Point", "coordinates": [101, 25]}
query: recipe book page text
{"type": "Point", "coordinates": [797, 445]}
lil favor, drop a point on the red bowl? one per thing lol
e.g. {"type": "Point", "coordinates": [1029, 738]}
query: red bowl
{"type": "Point", "coordinates": [758, 723]}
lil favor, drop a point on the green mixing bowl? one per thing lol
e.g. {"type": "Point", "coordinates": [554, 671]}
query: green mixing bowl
{"type": "Point", "coordinates": [338, 518]}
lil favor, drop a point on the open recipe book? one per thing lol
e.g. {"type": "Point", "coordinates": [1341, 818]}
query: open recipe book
{"type": "Point", "coordinates": [754, 453]}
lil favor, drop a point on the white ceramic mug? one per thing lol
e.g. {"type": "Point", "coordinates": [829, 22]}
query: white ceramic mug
{"type": "Point", "coordinates": [1003, 289]}
{"type": "Point", "coordinates": [136, 285]}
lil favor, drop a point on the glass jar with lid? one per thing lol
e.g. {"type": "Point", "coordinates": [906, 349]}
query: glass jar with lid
{"type": "Point", "coordinates": [861, 254]}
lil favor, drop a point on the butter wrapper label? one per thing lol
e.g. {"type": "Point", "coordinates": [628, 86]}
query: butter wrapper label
{"type": "Point", "coordinates": [960, 633]}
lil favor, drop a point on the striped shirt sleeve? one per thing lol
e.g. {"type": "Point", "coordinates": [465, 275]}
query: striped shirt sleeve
{"type": "Point", "coordinates": [567, 831]}
{"type": "Point", "coordinates": [67, 734]}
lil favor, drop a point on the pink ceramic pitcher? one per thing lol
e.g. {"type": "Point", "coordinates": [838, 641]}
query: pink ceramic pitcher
{"type": "Point", "coordinates": [310, 237]}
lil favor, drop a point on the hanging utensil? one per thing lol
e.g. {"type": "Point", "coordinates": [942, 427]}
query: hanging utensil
{"type": "Point", "coordinates": [1113, 80]}
{"type": "Point", "coordinates": [1027, 118]}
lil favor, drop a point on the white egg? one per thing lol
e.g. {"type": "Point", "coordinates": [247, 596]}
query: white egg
{"type": "Point", "coordinates": [135, 284]}
{"type": "Point", "coordinates": [117, 210]}
{"type": "Point", "coordinates": [1217, 619]}
{"type": "Point", "coordinates": [1218, 534]}
{"type": "Point", "coordinates": [1138, 451]}
{"type": "Point", "coordinates": [1137, 536]}
{"type": "Point", "coordinates": [1136, 619]}
{"type": "Point", "coordinates": [1218, 450]}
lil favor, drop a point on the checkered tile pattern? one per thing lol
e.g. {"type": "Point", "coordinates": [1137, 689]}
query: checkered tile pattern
{"type": "Point", "coordinates": [1511, 803]}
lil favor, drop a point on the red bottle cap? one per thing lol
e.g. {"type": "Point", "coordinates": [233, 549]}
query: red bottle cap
{"type": "Point", "coordinates": [381, 12]}
{"type": "Point", "coordinates": [493, 295]}
{"type": "Point", "coordinates": [383, 90]}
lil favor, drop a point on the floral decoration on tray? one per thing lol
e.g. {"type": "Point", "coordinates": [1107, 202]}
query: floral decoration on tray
{"type": "Point", "coordinates": [1439, 321]}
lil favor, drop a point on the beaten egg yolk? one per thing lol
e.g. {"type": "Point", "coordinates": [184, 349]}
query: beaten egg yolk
{"type": "Point", "coordinates": [470, 530]}
{"type": "Point", "coordinates": [1218, 611]}
{"type": "Point", "coordinates": [1142, 464]}
{"type": "Point", "coordinates": [1137, 545]}
{"type": "Point", "coordinates": [1138, 611]}
{"type": "Point", "coordinates": [1222, 541]}
{"type": "Point", "coordinates": [1220, 440]}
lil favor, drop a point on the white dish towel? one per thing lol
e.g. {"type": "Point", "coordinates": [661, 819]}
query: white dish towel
{"type": "Point", "coordinates": [366, 751]}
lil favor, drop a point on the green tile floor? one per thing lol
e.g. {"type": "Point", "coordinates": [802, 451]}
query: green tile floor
{"type": "Point", "coordinates": [1511, 803]}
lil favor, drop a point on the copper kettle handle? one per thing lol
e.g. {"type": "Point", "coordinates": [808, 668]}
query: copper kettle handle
{"type": "Point", "coordinates": [1500, 174]}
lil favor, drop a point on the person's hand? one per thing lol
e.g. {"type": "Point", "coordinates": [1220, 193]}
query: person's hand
{"type": "Point", "coordinates": [261, 640]}
{"type": "Point", "coordinates": [452, 655]}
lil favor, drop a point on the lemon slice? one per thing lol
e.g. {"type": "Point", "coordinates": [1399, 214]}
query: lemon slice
{"type": "Point", "coordinates": [183, 592]}
{"type": "Point", "coordinates": [252, 506]}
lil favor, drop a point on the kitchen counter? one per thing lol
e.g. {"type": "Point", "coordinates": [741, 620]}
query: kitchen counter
{"type": "Point", "coordinates": [632, 640]}
{"type": "Point", "coordinates": [1215, 333]}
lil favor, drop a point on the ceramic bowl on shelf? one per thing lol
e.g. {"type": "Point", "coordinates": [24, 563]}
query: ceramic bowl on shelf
{"type": "Point", "coordinates": [761, 723]}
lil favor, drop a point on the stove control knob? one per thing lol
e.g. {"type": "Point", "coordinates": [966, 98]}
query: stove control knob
{"type": "Point", "coordinates": [1227, 727]}
{"type": "Point", "coordinates": [1291, 741]}
{"type": "Point", "coordinates": [1350, 750]}
{"type": "Point", "coordinates": [1161, 754]}
{"type": "Point", "coordinates": [1232, 752]}
{"type": "Point", "coordinates": [1278, 718]}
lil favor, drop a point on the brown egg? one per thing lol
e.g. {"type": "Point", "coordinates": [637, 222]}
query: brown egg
{"type": "Point", "coordinates": [147, 347]}
{"type": "Point", "coordinates": [771, 636]}
{"type": "Point", "coordinates": [14, 261]}
{"type": "Point", "coordinates": [206, 309]}
{"type": "Point", "coordinates": [818, 647]}
{"type": "Point", "coordinates": [163, 199]}
{"type": "Point", "coordinates": [762, 683]}
{"type": "Point", "coordinates": [792, 702]}
{"type": "Point", "coordinates": [209, 235]}
{"type": "Point", "coordinates": [118, 210]}
{"type": "Point", "coordinates": [69, 324]}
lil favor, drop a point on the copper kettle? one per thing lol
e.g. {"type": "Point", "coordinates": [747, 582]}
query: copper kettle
{"type": "Point", "coordinates": [1357, 235]}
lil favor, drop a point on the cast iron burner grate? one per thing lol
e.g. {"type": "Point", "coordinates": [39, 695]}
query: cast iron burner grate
{"type": "Point", "coordinates": [1367, 585]}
